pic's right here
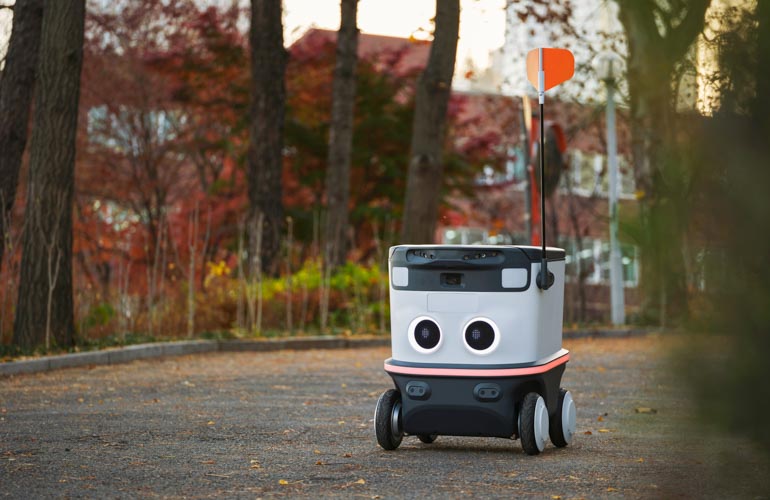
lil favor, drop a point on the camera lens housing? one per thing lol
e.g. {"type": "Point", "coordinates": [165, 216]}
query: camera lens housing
{"type": "Point", "coordinates": [481, 336]}
{"type": "Point", "coordinates": [425, 335]}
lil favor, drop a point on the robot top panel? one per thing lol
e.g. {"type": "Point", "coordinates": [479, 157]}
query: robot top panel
{"type": "Point", "coordinates": [469, 256]}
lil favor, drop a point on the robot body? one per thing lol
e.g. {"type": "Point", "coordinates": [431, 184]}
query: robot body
{"type": "Point", "coordinates": [476, 346]}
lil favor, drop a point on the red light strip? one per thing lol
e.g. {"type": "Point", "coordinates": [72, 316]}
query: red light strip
{"type": "Point", "coordinates": [473, 372]}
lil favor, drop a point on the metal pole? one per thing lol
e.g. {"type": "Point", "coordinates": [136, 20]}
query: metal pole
{"type": "Point", "coordinates": [544, 266]}
{"type": "Point", "coordinates": [617, 299]}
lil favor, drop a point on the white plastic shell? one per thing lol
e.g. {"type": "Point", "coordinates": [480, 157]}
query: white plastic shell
{"type": "Point", "coordinates": [529, 322]}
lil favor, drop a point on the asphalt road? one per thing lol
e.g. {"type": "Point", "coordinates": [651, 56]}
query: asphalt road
{"type": "Point", "coordinates": [300, 424]}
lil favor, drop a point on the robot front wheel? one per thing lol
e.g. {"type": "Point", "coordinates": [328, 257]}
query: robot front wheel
{"type": "Point", "coordinates": [535, 426]}
{"type": "Point", "coordinates": [387, 421]}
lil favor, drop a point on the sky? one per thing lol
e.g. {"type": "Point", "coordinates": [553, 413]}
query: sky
{"type": "Point", "coordinates": [482, 23]}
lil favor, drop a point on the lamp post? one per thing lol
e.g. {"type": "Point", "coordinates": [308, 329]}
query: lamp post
{"type": "Point", "coordinates": [608, 66]}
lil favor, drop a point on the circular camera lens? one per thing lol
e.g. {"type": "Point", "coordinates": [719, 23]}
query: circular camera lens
{"type": "Point", "coordinates": [427, 334]}
{"type": "Point", "coordinates": [479, 335]}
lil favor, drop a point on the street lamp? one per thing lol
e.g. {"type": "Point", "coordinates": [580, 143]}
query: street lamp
{"type": "Point", "coordinates": [609, 67]}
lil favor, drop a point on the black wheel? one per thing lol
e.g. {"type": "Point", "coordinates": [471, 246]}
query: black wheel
{"type": "Point", "coordinates": [387, 420]}
{"type": "Point", "coordinates": [563, 424]}
{"type": "Point", "coordinates": [533, 423]}
{"type": "Point", "coordinates": [427, 438]}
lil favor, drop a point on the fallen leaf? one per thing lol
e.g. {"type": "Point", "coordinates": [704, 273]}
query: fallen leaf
{"type": "Point", "coordinates": [283, 482]}
{"type": "Point", "coordinates": [347, 455]}
{"type": "Point", "coordinates": [640, 460]}
{"type": "Point", "coordinates": [210, 422]}
{"type": "Point", "coordinates": [588, 433]}
{"type": "Point", "coordinates": [650, 411]}
{"type": "Point", "coordinates": [255, 466]}
{"type": "Point", "coordinates": [317, 452]}
{"type": "Point", "coordinates": [344, 386]}
{"type": "Point", "coordinates": [361, 481]}
{"type": "Point", "coordinates": [555, 497]}
{"type": "Point", "coordinates": [209, 462]}
{"type": "Point", "coordinates": [600, 419]}
{"type": "Point", "coordinates": [225, 476]}
{"type": "Point", "coordinates": [320, 462]}
{"type": "Point", "coordinates": [611, 489]}
{"type": "Point", "coordinates": [341, 422]}
{"type": "Point", "coordinates": [604, 430]}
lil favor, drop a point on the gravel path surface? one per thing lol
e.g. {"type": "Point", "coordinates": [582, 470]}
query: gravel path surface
{"type": "Point", "coordinates": [300, 424]}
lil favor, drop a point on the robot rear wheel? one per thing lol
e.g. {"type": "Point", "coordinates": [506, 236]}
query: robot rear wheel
{"type": "Point", "coordinates": [387, 420]}
{"type": "Point", "coordinates": [562, 427]}
{"type": "Point", "coordinates": [427, 438]}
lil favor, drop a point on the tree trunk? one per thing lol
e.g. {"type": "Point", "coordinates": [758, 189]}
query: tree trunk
{"type": "Point", "coordinates": [265, 158]}
{"type": "Point", "coordinates": [46, 266]}
{"type": "Point", "coordinates": [341, 136]}
{"type": "Point", "coordinates": [655, 47]}
{"type": "Point", "coordinates": [17, 84]}
{"type": "Point", "coordinates": [426, 167]}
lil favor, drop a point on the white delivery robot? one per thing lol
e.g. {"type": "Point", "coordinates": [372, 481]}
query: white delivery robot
{"type": "Point", "coordinates": [476, 331]}
{"type": "Point", "coordinates": [476, 346]}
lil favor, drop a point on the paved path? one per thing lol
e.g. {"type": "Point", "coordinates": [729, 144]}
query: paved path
{"type": "Point", "coordinates": [299, 424]}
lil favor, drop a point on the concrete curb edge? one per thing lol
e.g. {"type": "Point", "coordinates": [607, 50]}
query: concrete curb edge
{"type": "Point", "coordinates": [181, 348]}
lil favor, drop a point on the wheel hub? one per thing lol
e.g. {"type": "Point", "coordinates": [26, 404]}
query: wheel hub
{"type": "Point", "coordinates": [568, 417]}
{"type": "Point", "coordinates": [395, 419]}
{"type": "Point", "coordinates": [541, 424]}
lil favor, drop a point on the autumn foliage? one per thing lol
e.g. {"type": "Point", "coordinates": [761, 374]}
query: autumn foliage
{"type": "Point", "coordinates": [160, 182]}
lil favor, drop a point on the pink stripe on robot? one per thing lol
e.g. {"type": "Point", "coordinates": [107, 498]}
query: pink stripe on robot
{"type": "Point", "coordinates": [471, 372]}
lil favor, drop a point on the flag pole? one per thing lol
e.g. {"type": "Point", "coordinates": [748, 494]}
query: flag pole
{"type": "Point", "coordinates": [544, 279]}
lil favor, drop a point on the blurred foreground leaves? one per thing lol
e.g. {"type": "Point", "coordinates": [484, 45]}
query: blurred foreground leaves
{"type": "Point", "coordinates": [725, 172]}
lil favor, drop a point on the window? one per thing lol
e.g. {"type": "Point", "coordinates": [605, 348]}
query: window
{"type": "Point", "coordinates": [515, 169]}
{"type": "Point", "coordinates": [594, 261]}
{"type": "Point", "coordinates": [589, 175]}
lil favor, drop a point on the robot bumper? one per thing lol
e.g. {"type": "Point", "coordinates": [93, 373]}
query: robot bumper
{"type": "Point", "coordinates": [472, 400]}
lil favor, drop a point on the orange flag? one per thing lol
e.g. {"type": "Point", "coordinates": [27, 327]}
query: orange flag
{"type": "Point", "coordinates": [558, 66]}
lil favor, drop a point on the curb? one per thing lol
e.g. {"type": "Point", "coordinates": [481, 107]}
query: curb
{"type": "Point", "coordinates": [166, 349]}
{"type": "Point", "coordinates": [609, 333]}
